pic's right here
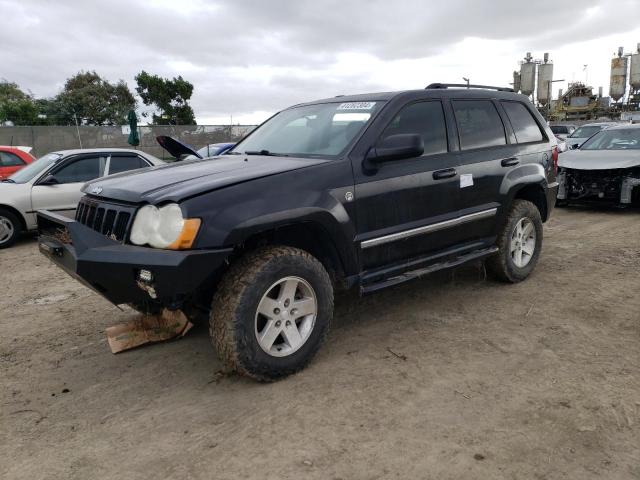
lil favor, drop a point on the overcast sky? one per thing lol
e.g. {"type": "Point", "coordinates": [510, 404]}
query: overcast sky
{"type": "Point", "coordinates": [251, 58]}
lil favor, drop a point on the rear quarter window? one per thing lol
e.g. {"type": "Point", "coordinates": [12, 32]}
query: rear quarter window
{"type": "Point", "coordinates": [524, 125]}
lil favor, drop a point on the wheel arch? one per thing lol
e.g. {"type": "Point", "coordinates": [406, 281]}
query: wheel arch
{"type": "Point", "coordinates": [311, 236]}
{"type": "Point", "coordinates": [17, 213]}
{"type": "Point", "coordinates": [534, 193]}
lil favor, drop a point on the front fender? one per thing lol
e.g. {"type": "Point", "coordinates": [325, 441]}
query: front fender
{"type": "Point", "coordinates": [232, 215]}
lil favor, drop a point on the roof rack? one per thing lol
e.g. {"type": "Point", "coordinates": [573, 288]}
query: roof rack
{"type": "Point", "coordinates": [464, 85]}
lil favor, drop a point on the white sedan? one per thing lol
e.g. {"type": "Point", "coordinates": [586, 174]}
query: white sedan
{"type": "Point", "coordinates": [53, 182]}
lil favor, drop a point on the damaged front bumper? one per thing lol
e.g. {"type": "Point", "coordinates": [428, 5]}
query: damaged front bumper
{"type": "Point", "coordinates": [605, 185]}
{"type": "Point", "coordinates": [125, 273]}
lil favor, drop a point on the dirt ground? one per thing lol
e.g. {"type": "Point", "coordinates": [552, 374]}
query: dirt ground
{"type": "Point", "coordinates": [450, 377]}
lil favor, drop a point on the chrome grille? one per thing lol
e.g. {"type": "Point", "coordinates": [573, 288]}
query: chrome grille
{"type": "Point", "coordinates": [112, 220]}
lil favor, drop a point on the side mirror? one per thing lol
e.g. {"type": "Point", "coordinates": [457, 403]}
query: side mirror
{"type": "Point", "coordinates": [397, 147]}
{"type": "Point", "coordinates": [575, 146]}
{"type": "Point", "coordinates": [49, 180]}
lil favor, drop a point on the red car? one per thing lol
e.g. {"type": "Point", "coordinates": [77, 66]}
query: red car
{"type": "Point", "coordinates": [13, 159]}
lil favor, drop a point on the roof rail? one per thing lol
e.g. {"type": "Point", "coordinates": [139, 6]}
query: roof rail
{"type": "Point", "coordinates": [464, 85]}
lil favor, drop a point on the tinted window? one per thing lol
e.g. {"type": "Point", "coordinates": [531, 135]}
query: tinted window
{"type": "Point", "coordinates": [81, 170]}
{"type": "Point", "coordinates": [523, 123]}
{"type": "Point", "coordinates": [423, 118]}
{"type": "Point", "coordinates": [479, 124]}
{"type": "Point", "coordinates": [559, 129]}
{"type": "Point", "coordinates": [8, 159]}
{"type": "Point", "coordinates": [124, 164]}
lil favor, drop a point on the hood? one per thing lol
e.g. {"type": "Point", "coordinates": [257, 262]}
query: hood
{"type": "Point", "coordinates": [175, 147]}
{"type": "Point", "coordinates": [177, 181]}
{"type": "Point", "coordinates": [599, 159]}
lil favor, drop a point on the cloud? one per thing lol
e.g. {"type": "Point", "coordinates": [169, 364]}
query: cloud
{"type": "Point", "coordinates": [251, 57]}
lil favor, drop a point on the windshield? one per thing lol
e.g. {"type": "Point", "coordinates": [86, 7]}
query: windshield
{"type": "Point", "coordinates": [312, 130]}
{"type": "Point", "coordinates": [34, 168]}
{"type": "Point", "coordinates": [585, 132]}
{"type": "Point", "coordinates": [614, 139]}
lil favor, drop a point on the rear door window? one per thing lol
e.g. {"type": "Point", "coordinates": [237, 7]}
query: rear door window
{"type": "Point", "coordinates": [524, 125]}
{"type": "Point", "coordinates": [479, 124]}
{"type": "Point", "coordinates": [425, 119]}
{"type": "Point", "coordinates": [126, 163]}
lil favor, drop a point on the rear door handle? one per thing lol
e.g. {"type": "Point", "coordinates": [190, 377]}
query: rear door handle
{"type": "Point", "coordinates": [446, 173]}
{"type": "Point", "coordinates": [509, 162]}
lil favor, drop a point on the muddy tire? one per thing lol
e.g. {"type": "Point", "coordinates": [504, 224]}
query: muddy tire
{"type": "Point", "coordinates": [271, 312]}
{"type": "Point", "coordinates": [519, 243]}
{"type": "Point", "coordinates": [10, 228]}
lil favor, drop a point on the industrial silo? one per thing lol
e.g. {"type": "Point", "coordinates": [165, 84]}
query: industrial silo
{"type": "Point", "coordinates": [618, 85]}
{"type": "Point", "coordinates": [634, 73]}
{"type": "Point", "coordinates": [527, 75]}
{"type": "Point", "coordinates": [516, 82]}
{"type": "Point", "coordinates": [545, 77]}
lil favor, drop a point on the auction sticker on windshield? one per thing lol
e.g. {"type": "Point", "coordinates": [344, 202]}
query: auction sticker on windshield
{"type": "Point", "coordinates": [356, 106]}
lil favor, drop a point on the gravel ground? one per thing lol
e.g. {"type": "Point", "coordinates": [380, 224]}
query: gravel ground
{"type": "Point", "coordinates": [450, 377]}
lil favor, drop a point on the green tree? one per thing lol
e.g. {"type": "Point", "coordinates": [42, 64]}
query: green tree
{"type": "Point", "coordinates": [93, 100]}
{"type": "Point", "coordinates": [169, 96]}
{"type": "Point", "coordinates": [16, 106]}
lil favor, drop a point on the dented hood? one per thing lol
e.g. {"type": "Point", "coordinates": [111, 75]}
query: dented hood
{"type": "Point", "coordinates": [177, 181]}
{"type": "Point", "coordinates": [599, 159]}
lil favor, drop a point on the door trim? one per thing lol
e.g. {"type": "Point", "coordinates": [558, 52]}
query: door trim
{"type": "Point", "coordinates": [374, 242]}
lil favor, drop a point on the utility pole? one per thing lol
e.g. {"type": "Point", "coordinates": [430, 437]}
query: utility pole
{"type": "Point", "coordinates": [77, 129]}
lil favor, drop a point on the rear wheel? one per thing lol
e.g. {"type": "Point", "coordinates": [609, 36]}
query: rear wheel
{"type": "Point", "coordinates": [10, 228]}
{"type": "Point", "coordinates": [271, 312]}
{"type": "Point", "coordinates": [519, 243]}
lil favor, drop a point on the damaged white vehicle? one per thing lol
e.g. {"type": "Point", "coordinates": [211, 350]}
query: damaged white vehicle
{"type": "Point", "coordinates": [606, 168]}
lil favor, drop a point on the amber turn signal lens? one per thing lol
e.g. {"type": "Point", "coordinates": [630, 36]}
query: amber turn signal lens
{"type": "Point", "coordinates": [187, 236]}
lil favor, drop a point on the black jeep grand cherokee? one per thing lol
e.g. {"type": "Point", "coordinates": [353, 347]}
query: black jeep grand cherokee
{"type": "Point", "coordinates": [364, 191]}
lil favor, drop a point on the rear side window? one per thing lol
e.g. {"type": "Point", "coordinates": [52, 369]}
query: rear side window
{"type": "Point", "coordinates": [124, 164]}
{"type": "Point", "coordinates": [8, 159]}
{"type": "Point", "coordinates": [479, 124]}
{"type": "Point", "coordinates": [523, 123]}
{"type": "Point", "coordinates": [425, 119]}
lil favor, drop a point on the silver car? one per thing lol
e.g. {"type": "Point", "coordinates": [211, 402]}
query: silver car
{"type": "Point", "coordinates": [582, 133]}
{"type": "Point", "coordinates": [606, 168]}
{"type": "Point", "coordinates": [53, 182]}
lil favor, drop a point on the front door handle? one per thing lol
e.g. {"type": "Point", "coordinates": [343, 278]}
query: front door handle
{"type": "Point", "coordinates": [509, 162]}
{"type": "Point", "coordinates": [446, 173]}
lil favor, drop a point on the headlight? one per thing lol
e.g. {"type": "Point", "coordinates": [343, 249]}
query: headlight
{"type": "Point", "coordinates": [164, 227]}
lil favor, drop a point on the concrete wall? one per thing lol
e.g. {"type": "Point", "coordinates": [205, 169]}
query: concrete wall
{"type": "Point", "coordinates": [48, 139]}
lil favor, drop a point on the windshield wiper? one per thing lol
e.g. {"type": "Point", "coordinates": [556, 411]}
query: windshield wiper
{"type": "Point", "coordinates": [8, 180]}
{"type": "Point", "coordinates": [266, 153]}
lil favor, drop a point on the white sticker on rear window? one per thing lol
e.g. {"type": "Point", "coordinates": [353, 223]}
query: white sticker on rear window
{"type": "Point", "coordinates": [356, 106]}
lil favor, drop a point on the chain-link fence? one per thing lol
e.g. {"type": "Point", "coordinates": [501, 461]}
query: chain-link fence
{"type": "Point", "coordinates": [45, 139]}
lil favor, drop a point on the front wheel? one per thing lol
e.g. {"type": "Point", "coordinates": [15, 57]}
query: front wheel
{"type": "Point", "coordinates": [10, 228]}
{"type": "Point", "coordinates": [271, 312]}
{"type": "Point", "coordinates": [519, 243]}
